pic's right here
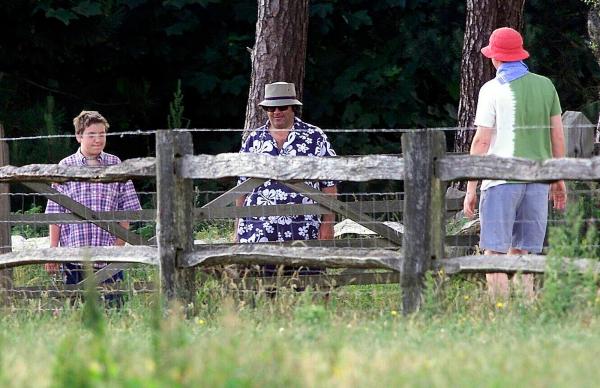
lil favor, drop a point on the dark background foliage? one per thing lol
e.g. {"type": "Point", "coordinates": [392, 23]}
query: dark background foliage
{"type": "Point", "coordinates": [371, 64]}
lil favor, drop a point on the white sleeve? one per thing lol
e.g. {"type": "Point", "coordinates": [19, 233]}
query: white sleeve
{"type": "Point", "coordinates": [486, 107]}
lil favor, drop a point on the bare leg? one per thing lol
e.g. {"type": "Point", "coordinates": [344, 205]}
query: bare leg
{"type": "Point", "coordinates": [523, 282]}
{"type": "Point", "coordinates": [497, 283]}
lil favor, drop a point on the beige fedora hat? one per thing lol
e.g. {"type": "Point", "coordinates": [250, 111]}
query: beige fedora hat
{"type": "Point", "coordinates": [280, 94]}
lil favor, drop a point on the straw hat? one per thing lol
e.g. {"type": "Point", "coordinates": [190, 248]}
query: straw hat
{"type": "Point", "coordinates": [505, 45]}
{"type": "Point", "coordinates": [280, 94]}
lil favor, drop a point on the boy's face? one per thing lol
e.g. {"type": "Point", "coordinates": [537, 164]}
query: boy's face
{"type": "Point", "coordinates": [92, 140]}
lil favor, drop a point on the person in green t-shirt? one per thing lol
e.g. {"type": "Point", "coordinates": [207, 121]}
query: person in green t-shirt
{"type": "Point", "coordinates": [518, 115]}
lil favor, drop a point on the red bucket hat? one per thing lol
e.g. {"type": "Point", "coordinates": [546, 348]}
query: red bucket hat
{"type": "Point", "coordinates": [505, 45]}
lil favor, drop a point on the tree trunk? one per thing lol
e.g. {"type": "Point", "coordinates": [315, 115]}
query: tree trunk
{"type": "Point", "coordinates": [483, 17]}
{"type": "Point", "coordinates": [279, 52]}
{"type": "Point", "coordinates": [594, 33]}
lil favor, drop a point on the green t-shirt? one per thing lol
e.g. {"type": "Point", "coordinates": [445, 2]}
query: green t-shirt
{"type": "Point", "coordinates": [520, 112]}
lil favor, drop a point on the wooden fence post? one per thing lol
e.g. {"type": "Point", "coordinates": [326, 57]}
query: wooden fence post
{"type": "Point", "coordinates": [424, 210]}
{"type": "Point", "coordinates": [579, 135]}
{"type": "Point", "coordinates": [174, 214]}
{"type": "Point", "coordinates": [5, 242]}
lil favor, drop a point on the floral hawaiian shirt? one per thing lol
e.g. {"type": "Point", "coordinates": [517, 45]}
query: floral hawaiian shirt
{"type": "Point", "coordinates": [303, 140]}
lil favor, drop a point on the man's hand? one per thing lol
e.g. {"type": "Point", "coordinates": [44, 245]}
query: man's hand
{"type": "Point", "coordinates": [52, 268]}
{"type": "Point", "coordinates": [326, 231]}
{"type": "Point", "coordinates": [469, 204]}
{"type": "Point", "coordinates": [558, 194]}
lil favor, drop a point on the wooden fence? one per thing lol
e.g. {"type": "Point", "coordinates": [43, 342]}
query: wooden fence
{"type": "Point", "coordinates": [424, 167]}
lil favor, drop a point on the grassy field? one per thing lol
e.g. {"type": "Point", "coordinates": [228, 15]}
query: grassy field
{"type": "Point", "coordinates": [355, 338]}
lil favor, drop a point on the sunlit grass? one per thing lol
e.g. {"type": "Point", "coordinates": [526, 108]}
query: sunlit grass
{"type": "Point", "coordinates": [356, 337]}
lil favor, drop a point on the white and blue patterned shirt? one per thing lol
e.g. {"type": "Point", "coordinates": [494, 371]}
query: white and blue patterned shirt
{"type": "Point", "coordinates": [303, 140]}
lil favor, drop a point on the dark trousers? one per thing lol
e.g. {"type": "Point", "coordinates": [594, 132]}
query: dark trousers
{"type": "Point", "coordinates": [75, 273]}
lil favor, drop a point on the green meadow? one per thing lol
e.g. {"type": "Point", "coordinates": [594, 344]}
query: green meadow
{"type": "Point", "coordinates": [354, 337]}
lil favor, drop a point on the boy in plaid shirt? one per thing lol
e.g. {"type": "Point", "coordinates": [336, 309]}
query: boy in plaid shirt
{"type": "Point", "coordinates": [90, 132]}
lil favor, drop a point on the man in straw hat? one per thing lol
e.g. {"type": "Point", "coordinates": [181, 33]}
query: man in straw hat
{"type": "Point", "coordinates": [518, 115]}
{"type": "Point", "coordinates": [284, 134]}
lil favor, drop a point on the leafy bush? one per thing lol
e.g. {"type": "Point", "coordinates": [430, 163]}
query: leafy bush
{"type": "Point", "coordinates": [29, 231]}
{"type": "Point", "coordinates": [565, 288]}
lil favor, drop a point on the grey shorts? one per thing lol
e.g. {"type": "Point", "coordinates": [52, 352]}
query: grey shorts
{"type": "Point", "coordinates": [514, 215]}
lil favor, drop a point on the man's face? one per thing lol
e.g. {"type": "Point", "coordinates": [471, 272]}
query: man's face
{"type": "Point", "coordinates": [280, 117]}
{"type": "Point", "coordinates": [92, 140]}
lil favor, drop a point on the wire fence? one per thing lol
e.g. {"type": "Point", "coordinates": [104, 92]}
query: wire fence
{"type": "Point", "coordinates": [376, 131]}
{"type": "Point", "coordinates": [216, 226]}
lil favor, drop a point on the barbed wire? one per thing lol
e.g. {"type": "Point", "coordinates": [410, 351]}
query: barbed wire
{"type": "Point", "coordinates": [140, 132]}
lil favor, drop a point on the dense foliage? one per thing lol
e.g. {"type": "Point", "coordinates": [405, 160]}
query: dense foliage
{"type": "Point", "coordinates": [371, 64]}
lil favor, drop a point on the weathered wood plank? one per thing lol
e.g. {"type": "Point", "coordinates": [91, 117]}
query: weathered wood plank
{"type": "Point", "coordinates": [127, 254]}
{"type": "Point", "coordinates": [165, 227]}
{"type": "Point", "coordinates": [341, 208]}
{"type": "Point", "coordinates": [182, 193]}
{"type": "Point", "coordinates": [86, 213]}
{"type": "Point", "coordinates": [175, 213]}
{"type": "Point", "coordinates": [147, 215]}
{"type": "Point", "coordinates": [450, 168]}
{"type": "Point", "coordinates": [392, 206]}
{"type": "Point", "coordinates": [424, 212]}
{"type": "Point", "coordinates": [355, 168]}
{"type": "Point", "coordinates": [68, 218]}
{"type": "Point", "coordinates": [579, 135]}
{"type": "Point", "coordinates": [318, 281]}
{"type": "Point", "coordinates": [456, 241]}
{"type": "Point", "coordinates": [509, 264]}
{"type": "Point", "coordinates": [295, 256]}
{"type": "Point", "coordinates": [130, 168]}
{"type": "Point", "coordinates": [231, 195]}
{"type": "Point", "coordinates": [5, 240]}
{"type": "Point", "coordinates": [338, 243]}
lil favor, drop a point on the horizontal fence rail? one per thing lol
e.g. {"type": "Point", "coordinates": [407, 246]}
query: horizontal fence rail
{"type": "Point", "coordinates": [112, 254]}
{"type": "Point", "coordinates": [130, 168]}
{"type": "Point", "coordinates": [354, 169]}
{"type": "Point", "coordinates": [511, 264]}
{"type": "Point", "coordinates": [391, 206]}
{"type": "Point", "coordinates": [342, 168]}
{"type": "Point", "coordinates": [330, 257]}
{"type": "Point", "coordinates": [450, 168]}
{"type": "Point", "coordinates": [69, 218]}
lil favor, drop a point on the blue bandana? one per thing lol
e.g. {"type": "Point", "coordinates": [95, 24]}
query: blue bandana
{"type": "Point", "coordinates": [510, 71]}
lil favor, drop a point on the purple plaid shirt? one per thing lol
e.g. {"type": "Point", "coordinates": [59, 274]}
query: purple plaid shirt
{"type": "Point", "coordinates": [99, 197]}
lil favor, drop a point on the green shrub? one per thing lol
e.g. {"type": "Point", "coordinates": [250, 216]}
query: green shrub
{"type": "Point", "coordinates": [28, 231]}
{"type": "Point", "coordinates": [565, 288]}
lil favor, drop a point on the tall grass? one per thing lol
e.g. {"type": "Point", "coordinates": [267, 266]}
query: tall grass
{"type": "Point", "coordinates": [297, 340]}
{"type": "Point", "coordinates": [351, 336]}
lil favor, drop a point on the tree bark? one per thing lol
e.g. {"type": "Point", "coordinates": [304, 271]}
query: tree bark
{"type": "Point", "coordinates": [594, 33]}
{"type": "Point", "coordinates": [483, 16]}
{"type": "Point", "coordinates": [279, 52]}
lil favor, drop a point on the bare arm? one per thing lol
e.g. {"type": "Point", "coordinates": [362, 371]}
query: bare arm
{"type": "Point", "coordinates": [328, 220]}
{"type": "Point", "coordinates": [239, 203]}
{"type": "Point", "coordinates": [558, 189]}
{"type": "Point", "coordinates": [119, 242]}
{"type": "Point", "coordinates": [54, 231]}
{"type": "Point", "coordinates": [479, 146]}
{"type": "Point", "coordinates": [557, 137]}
